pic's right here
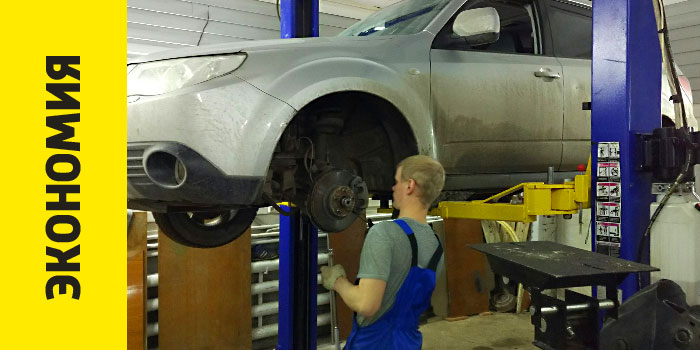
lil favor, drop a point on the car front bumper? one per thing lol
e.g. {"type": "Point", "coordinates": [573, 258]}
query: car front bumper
{"type": "Point", "coordinates": [202, 186]}
{"type": "Point", "coordinates": [223, 131]}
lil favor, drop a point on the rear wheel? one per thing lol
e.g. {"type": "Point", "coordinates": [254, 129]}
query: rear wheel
{"type": "Point", "coordinates": [205, 229]}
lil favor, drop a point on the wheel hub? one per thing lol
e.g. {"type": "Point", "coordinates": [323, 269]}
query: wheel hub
{"type": "Point", "coordinates": [336, 198]}
{"type": "Point", "coordinates": [342, 201]}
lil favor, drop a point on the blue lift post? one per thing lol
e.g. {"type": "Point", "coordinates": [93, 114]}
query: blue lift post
{"type": "Point", "coordinates": [298, 246]}
{"type": "Point", "coordinates": [626, 75]}
{"type": "Point", "coordinates": [298, 263]}
{"type": "Point", "coordinates": [299, 18]}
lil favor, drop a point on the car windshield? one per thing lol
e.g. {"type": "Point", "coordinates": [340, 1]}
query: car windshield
{"type": "Point", "coordinates": [403, 18]}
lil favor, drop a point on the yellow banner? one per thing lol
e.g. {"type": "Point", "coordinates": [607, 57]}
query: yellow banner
{"type": "Point", "coordinates": [64, 157]}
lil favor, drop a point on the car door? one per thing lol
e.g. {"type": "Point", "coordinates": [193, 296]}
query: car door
{"type": "Point", "coordinates": [497, 107]}
{"type": "Point", "coordinates": [571, 30]}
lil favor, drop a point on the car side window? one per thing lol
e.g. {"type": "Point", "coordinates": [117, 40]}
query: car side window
{"type": "Point", "coordinates": [572, 31]}
{"type": "Point", "coordinates": [518, 33]}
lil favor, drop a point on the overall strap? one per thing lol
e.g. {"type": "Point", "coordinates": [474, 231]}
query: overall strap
{"type": "Point", "coordinates": [411, 238]}
{"type": "Point", "coordinates": [435, 259]}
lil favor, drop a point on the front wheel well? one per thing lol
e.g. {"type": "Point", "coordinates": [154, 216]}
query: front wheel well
{"type": "Point", "coordinates": [351, 130]}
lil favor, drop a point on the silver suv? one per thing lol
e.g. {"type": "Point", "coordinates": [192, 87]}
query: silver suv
{"type": "Point", "coordinates": [493, 89]}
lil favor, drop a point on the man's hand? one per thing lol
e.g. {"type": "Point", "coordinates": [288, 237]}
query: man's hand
{"type": "Point", "coordinates": [330, 274]}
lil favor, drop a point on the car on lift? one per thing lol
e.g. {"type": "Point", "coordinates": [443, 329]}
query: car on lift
{"type": "Point", "coordinates": [493, 89]}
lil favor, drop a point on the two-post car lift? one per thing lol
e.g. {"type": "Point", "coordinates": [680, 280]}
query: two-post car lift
{"type": "Point", "coordinates": [626, 71]}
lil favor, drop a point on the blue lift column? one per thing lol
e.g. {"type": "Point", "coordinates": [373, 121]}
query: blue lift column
{"type": "Point", "coordinates": [626, 92]}
{"type": "Point", "coordinates": [299, 18]}
{"type": "Point", "coordinates": [298, 246]}
{"type": "Point", "coordinates": [298, 252]}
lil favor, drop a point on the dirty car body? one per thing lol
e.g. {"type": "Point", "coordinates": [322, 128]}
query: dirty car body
{"type": "Point", "coordinates": [228, 128]}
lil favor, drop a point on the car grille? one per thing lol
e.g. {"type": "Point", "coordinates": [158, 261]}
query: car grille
{"type": "Point", "coordinates": [135, 172]}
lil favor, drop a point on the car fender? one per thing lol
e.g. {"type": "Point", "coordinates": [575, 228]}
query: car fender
{"type": "Point", "coordinates": [406, 85]}
{"type": "Point", "coordinates": [229, 122]}
{"type": "Point", "coordinates": [406, 102]}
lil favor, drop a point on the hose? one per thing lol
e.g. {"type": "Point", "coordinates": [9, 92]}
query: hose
{"type": "Point", "coordinates": [677, 97]}
{"type": "Point", "coordinates": [511, 233]}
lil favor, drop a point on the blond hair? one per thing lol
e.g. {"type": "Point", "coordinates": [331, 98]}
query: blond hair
{"type": "Point", "coordinates": [428, 175]}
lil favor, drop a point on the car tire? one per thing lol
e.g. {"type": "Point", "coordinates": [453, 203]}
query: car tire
{"type": "Point", "coordinates": [205, 229]}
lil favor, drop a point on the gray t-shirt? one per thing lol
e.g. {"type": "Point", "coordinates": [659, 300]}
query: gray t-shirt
{"type": "Point", "coordinates": [386, 255]}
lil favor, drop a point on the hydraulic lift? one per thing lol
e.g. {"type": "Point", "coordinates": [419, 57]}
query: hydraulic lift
{"type": "Point", "coordinates": [297, 282]}
{"type": "Point", "coordinates": [628, 149]}
{"type": "Point", "coordinates": [537, 199]}
{"type": "Point", "coordinates": [625, 150]}
{"type": "Point", "coordinates": [626, 71]}
{"type": "Point", "coordinates": [298, 237]}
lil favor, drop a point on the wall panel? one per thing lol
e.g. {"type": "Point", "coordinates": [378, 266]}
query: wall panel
{"type": "Point", "coordinates": [683, 20]}
{"type": "Point", "coordinates": [154, 25]}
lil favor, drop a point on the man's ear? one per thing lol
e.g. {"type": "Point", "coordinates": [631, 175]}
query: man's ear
{"type": "Point", "coordinates": [411, 186]}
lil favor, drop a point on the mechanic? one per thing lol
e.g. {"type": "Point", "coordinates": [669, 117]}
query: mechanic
{"type": "Point", "coordinates": [398, 264]}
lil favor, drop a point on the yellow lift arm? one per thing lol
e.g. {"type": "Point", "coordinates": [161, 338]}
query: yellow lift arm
{"type": "Point", "coordinates": [538, 199]}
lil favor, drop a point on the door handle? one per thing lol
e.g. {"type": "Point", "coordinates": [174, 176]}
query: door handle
{"type": "Point", "coordinates": [547, 73]}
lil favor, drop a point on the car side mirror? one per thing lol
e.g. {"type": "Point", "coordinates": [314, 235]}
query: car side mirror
{"type": "Point", "coordinates": [478, 26]}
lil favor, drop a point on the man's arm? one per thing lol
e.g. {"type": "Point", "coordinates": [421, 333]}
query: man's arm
{"type": "Point", "coordinates": [365, 298]}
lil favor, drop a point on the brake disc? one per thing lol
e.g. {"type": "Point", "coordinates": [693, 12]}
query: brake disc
{"type": "Point", "coordinates": [336, 198]}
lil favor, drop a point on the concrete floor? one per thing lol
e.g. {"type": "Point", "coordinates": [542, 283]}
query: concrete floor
{"type": "Point", "coordinates": [493, 332]}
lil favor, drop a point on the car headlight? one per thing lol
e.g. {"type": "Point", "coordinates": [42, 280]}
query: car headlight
{"type": "Point", "coordinates": [155, 78]}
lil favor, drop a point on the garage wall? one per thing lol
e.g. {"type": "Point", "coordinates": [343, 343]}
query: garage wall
{"type": "Point", "coordinates": [155, 25]}
{"type": "Point", "coordinates": [683, 20]}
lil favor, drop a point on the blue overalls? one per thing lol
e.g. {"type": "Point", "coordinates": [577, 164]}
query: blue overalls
{"type": "Point", "coordinates": [398, 327]}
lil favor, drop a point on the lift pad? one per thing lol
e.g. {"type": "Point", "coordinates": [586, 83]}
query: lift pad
{"type": "Point", "coordinates": [547, 265]}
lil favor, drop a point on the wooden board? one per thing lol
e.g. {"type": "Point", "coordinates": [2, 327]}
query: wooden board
{"type": "Point", "coordinates": [440, 299]}
{"type": "Point", "coordinates": [204, 296]}
{"type": "Point", "coordinates": [469, 279]}
{"type": "Point", "coordinates": [347, 246]}
{"type": "Point", "coordinates": [135, 282]}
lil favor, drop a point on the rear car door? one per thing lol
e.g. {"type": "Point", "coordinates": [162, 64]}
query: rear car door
{"type": "Point", "coordinates": [571, 30]}
{"type": "Point", "coordinates": [497, 107]}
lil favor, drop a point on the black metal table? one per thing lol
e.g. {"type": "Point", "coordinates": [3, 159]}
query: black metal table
{"type": "Point", "coordinates": [562, 324]}
{"type": "Point", "coordinates": [546, 265]}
